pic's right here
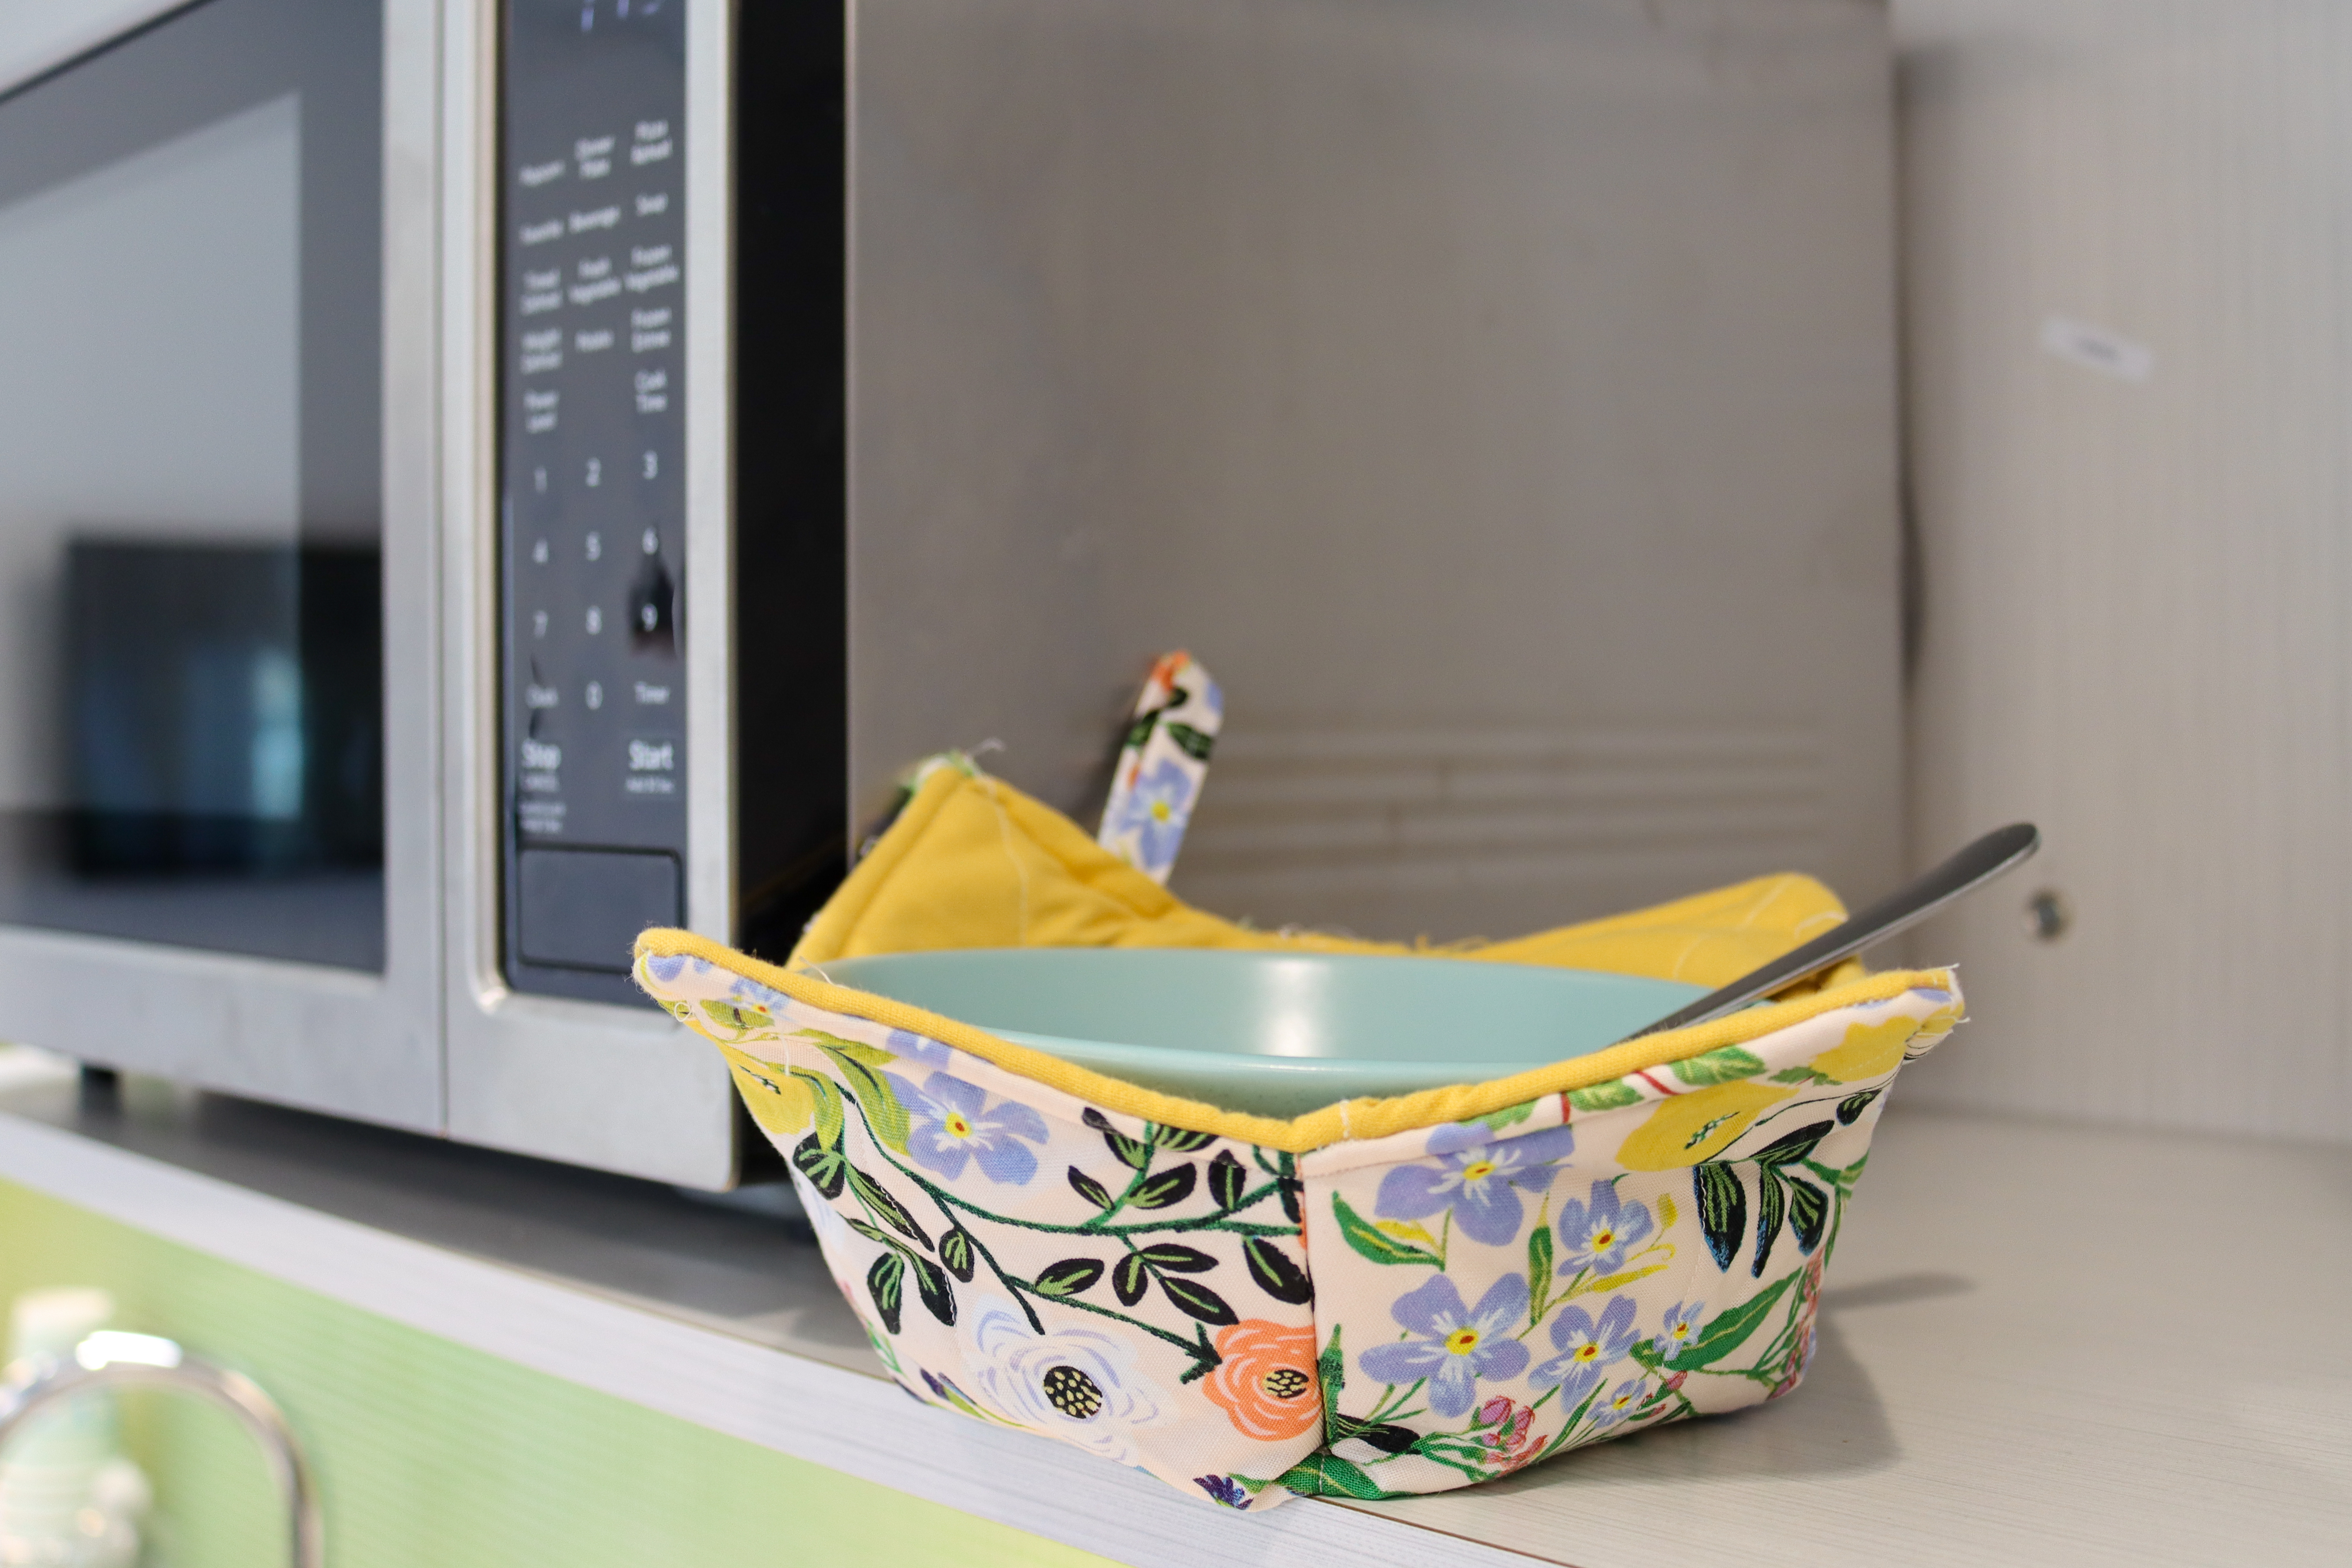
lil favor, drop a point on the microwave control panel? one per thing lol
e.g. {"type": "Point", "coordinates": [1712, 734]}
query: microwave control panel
{"type": "Point", "coordinates": [592, 488]}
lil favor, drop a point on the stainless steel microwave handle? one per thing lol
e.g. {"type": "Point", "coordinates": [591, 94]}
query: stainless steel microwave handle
{"type": "Point", "coordinates": [108, 1360]}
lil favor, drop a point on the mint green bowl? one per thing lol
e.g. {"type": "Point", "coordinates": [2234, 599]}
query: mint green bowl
{"type": "Point", "coordinates": [1274, 1033]}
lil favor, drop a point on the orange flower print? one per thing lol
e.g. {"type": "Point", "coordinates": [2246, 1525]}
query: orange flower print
{"type": "Point", "coordinates": [1265, 1383]}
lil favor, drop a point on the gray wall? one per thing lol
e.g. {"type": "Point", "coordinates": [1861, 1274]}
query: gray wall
{"type": "Point", "coordinates": [2135, 627]}
{"type": "Point", "coordinates": [1496, 394]}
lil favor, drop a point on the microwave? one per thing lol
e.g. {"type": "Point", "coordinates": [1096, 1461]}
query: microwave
{"type": "Point", "coordinates": [477, 480]}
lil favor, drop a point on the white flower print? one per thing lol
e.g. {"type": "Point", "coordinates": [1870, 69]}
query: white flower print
{"type": "Point", "coordinates": [1078, 1384]}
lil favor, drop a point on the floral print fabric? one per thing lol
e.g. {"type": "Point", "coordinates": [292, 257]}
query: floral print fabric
{"type": "Point", "coordinates": [1162, 764]}
{"type": "Point", "coordinates": [1376, 1317]}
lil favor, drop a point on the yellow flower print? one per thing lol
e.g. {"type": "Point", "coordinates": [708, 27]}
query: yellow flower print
{"type": "Point", "coordinates": [1869, 1050]}
{"type": "Point", "coordinates": [781, 1104]}
{"type": "Point", "coordinates": [1697, 1126]}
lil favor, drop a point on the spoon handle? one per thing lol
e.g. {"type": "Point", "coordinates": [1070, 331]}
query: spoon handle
{"type": "Point", "coordinates": [1903, 908]}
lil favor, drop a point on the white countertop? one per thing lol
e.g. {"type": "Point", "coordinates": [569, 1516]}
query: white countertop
{"type": "Point", "coordinates": [2039, 1344]}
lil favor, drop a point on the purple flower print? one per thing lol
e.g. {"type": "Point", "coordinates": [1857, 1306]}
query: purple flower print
{"type": "Point", "coordinates": [1452, 1346]}
{"type": "Point", "coordinates": [1588, 1347]}
{"type": "Point", "coordinates": [1157, 809]}
{"type": "Point", "coordinates": [910, 1047]}
{"type": "Point", "coordinates": [952, 1124]}
{"type": "Point", "coordinates": [1619, 1402]}
{"type": "Point", "coordinates": [1477, 1178]}
{"type": "Point", "coordinates": [1597, 1232]}
{"type": "Point", "coordinates": [1681, 1327]}
{"type": "Point", "coordinates": [1225, 1489]}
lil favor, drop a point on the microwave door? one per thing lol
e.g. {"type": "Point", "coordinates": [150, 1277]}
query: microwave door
{"type": "Point", "coordinates": [215, 737]}
{"type": "Point", "coordinates": [588, 547]}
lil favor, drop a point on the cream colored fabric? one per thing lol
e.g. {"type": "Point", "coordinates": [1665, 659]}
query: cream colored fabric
{"type": "Point", "coordinates": [1378, 1299]}
{"type": "Point", "coordinates": [1435, 1307]}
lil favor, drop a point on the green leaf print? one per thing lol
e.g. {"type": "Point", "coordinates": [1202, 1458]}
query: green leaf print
{"type": "Point", "coordinates": [1191, 741]}
{"type": "Point", "coordinates": [741, 1018]}
{"type": "Point", "coordinates": [1178, 1259]}
{"type": "Point", "coordinates": [1725, 1064]}
{"type": "Point", "coordinates": [1275, 1273]}
{"type": "Point", "coordinates": [1790, 1147]}
{"type": "Point", "coordinates": [1167, 1188]}
{"type": "Point", "coordinates": [1130, 1278]}
{"type": "Point", "coordinates": [1730, 1329]}
{"type": "Point", "coordinates": [1386, 1439]}
{"type": "Point", "coordinates": [1068, 1277]}
{"type": "Point", "coordinates": [1854, 1105]}
{"type": "Point", "coordinates": [1180, 1140]}
{"type": "Point", "coordinates": [1510, 1116]}
{"type": "Point", "coordinates": [1331, 1372]}
{"type": "Point", "coordinates": [1769, 1207]}
{"type": "Point", "coordinates": [1722, 1209]}
{"type": "Point", "coordinates": [1539, 1256]}
{"type": "Point", "coordinates": [827, 1096]}
{"type": "Point", "coordinates": [1604, 1096]}
{"type": "Point", "coordinates": [891, 1212]}
{"type": "Point", "coordinates": [1195, 1300]}
{"type": "Point", "coordinates": [821, 1163]}
{"type": "Point", "coordinates": [956, 1252]}
{"type": "Point", "coordinates": [1130, 1152]}
{"type": "Point", "coordinates": [873, 1232]}
{"type": "Point", "coordinates": [932, 1285]}
{"type": "Point", "coordinates": [1086, 1187]}
{"type": "Point", "coordinates": [859, 1066]}
{"type": "Point", "coordinates": [1368, 1241]}
{"type": "Point", "coordinates": [1809, 1214]}
{"type": "Point", "coordinates": [1327, 1475]}
{"type": "Point", "coordinates": [1228, 1181]}
{"type": "Point", "coordinates": [886, 1283]}
{"type": "Point", "coordinates": [856, 1050]}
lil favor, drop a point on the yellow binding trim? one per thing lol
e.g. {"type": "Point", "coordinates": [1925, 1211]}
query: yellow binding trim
{"type": "Point", "coordinates": [1355, 1119]}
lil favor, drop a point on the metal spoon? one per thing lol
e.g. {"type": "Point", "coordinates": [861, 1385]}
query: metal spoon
{"type": "Point", "coordinates": [1899, 911]}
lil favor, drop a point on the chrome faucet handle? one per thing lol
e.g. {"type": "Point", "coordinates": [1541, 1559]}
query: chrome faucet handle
{"type": "Point", "coordinates": [110, 1359]}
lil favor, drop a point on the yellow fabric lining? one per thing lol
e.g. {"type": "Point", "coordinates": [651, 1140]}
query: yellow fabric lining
{"type": "Point", "coordinates": [973, 862]}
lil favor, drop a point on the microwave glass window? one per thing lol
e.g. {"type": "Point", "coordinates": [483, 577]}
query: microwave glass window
{"type": "Point", "coordinates": [190, 680]}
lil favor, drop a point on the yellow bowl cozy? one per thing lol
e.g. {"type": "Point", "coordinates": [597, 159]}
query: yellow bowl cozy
{"type": "Point", "coordinates": [1377, 1299]}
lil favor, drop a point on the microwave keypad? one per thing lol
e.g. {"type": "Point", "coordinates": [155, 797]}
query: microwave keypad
{"type": "Point", "coordinates": [592, 485]}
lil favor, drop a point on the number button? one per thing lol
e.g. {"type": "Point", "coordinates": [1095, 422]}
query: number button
{"type": "Point", "coordinates": [653, 609]}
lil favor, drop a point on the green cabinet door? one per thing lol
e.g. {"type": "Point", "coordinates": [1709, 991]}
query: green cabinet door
{"type": "Point", "coordinates": [431, 1453]}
